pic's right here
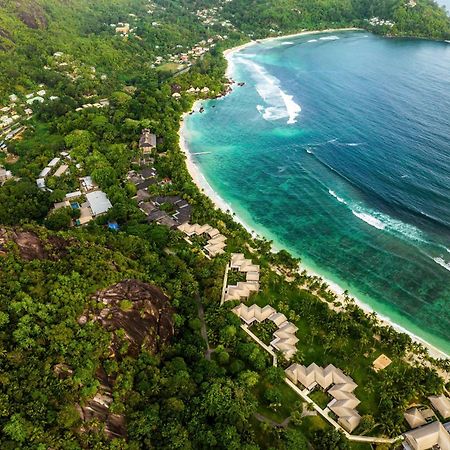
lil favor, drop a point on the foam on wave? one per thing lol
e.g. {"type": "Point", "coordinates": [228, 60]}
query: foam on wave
{"type": "Point", "coordinates": [339, 199]}
{"type": "Point", "coordinates": [280, 104]}
{"type": "Point", "coordinates": [381, 221]}
{"type": "Point", "coordinates": [329, 38]}
{"type": "Point", "coordinates": [441, 261]}
{"type": "Point", "coordinates": [371, 220]}
{"type": "Point", "coordinates": [312, 40]}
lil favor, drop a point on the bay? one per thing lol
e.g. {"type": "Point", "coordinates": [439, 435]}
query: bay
{"type": "Point", "coordinates": [337, 148]}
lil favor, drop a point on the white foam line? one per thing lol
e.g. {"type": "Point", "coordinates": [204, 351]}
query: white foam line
{"type": "Point", "coordinates": [280, 105]}
{"type": "Point", "coordinates": [372, 221]}
{"type": "Point", "coordinates": [218, 201]}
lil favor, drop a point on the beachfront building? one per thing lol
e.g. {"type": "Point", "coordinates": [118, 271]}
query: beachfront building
{"type": "Point", "coordinates": [441, 404]}
{"type": "Point", "coordinates": [431, 436]}
{"type": "Point", "coordinates": [242, 289]}
{"type": "Point", "coordinates": [381, 363]}
{"type": "Point", "coordinates": [418, 416]}
{"type": "Point", "coordinates": [284, 338]}
{"type": "Point", "coordinates": [336, 383]}
{"type": "Point", "coordinates": [216, 242]}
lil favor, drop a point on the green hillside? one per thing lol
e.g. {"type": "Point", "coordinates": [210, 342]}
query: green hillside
{"type": "Point", "coordinates": [124, 310]}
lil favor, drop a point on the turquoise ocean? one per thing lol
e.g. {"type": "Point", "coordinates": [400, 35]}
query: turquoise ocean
{"type": "Point", "coordinates": [337, 148]}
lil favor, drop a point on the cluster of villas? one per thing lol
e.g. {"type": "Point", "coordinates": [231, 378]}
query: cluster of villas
{"type": "Point", "coordinates": [284, 338]}
{"type": "Point", "coordinates": [89, 200]}
{"type": "Point", "coordinates": [168, 210]}
{"type": "Point", "coordinates": [215, 241]}
{"type": "Point", "coordinates": [102, 103]}
{"type": "Point", "coordinates": [57, 167]}
{"type": "Point", "coordinates": [18, 110]}
{"type": "Point", "coordinates": [377, 22]}
{"type": "Point", "coordinates": [212, 16]}
{"type": "Point", "coordinates": [73, 70]}
{"type": "Point", "coordinates": [192, 54]}
{"type": "Point", "coordinates": [242, 289]}
{"type": "Point", "coordinates": [336, 384]}
{"type": "Point", "coordinates": [96, 202]}
{"type": "Point", "coordinates": [428, 428]}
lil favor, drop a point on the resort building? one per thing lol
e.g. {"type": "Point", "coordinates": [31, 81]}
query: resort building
{"type": "Point", "coordinates": [336, 383]}
{"type": "Point", "coordinates": [147, 142]}
{"type": "Point", "coordinates": [61, 170]}
{"type": "Point", "coordinates": [381, 363]}
{"type": "Point", "coordinates": [285, 339]}
{"type": "Point", "coordinates": [416, 417]}
{"type": "Point", "coordinates": [98, 202]}
{"type": "Point", "coordinates": [433, 436]}
{"type": "Point", "coordinates": [242, 289]}
{"type": "Point", "coordinates": [87, 184]}
{"type": "Point", "coordinates": [216, 241]}
{"type": "Point", "coordinates": [441, 404]}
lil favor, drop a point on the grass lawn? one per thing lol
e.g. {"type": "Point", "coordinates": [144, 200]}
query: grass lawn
{"type": "Point", "coordinates": [346, 353]}
{"type": "Point", "coordinates": [169, 67]}
{"type": "Point", "coordinates": [288, 400]}
{"type": "Point", "coordinates": [320, 397]}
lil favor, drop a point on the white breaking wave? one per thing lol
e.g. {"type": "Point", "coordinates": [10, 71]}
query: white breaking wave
{"type": "Point", "coordinates": [329, 38]}
{"type": "Point", "coordinates": [381, 221]}
{"type": "Point", "coordinates": [441, 262]}
{"type": "Point", "coordinates": [312, 40]}
{"type": "Point", "coordinates": [280, 105]}
{"type": "Point", "coordinates": [339, 199]}
{"type": "Point", "coordinates": [287, 43]}
{"type": "Point", "coordinates": [371, 220]}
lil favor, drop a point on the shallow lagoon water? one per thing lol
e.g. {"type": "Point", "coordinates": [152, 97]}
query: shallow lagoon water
{"type": "Point", "coordinates": [338, 149]}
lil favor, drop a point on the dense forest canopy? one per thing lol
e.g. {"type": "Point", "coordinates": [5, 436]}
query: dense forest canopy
{"type": "Point", "coordinates": [204, 384]}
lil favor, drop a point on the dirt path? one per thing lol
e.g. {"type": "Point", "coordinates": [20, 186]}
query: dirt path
{"type": "Point", "coordinates": [203, 331]}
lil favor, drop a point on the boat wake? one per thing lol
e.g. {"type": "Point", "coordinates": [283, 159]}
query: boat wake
{"type": "Point", "coordinates": [279, 104]}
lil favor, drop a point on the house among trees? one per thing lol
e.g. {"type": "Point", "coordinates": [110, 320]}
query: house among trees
{"type": "Point", "coordinates": [4, 175]}
{"type": "Point", "coordinates": [147, 142]}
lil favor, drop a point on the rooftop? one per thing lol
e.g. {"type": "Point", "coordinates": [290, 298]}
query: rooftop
{"type": "Point", "coordinates": [98, 202]}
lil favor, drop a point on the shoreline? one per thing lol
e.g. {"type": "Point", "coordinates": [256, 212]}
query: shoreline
{"type": "Point", "coordinates": [238, 48]}
{"type": "Point", "coordinates": [203, 185]}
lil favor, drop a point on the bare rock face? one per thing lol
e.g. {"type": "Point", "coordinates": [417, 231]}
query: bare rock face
{"type": "Point", "coordinates": [97, 409]}
{"type": "Point", "coordinates": [31, 246]}
{"type": "Point", "coordinates": [139, 316]}
{"type": "Point", "coordinates": [141, 310]}
{"type": "Point", "coordinates": [31, 14]}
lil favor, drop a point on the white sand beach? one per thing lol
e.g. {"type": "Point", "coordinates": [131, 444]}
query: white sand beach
{"type": "Point", "coordinates": [205, 187]}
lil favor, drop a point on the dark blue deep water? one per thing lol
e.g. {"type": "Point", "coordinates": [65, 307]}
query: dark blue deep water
{"type": "Point", "coordinates": [338, 149]}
